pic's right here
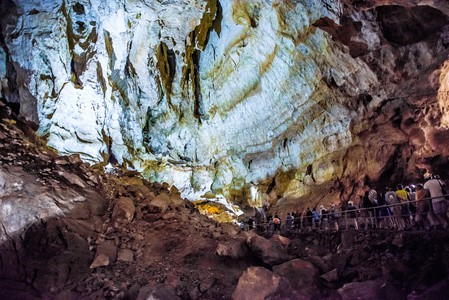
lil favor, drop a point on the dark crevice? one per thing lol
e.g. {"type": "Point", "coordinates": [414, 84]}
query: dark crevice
{"type": "Point", "coordinates": [198, 109]}
{"type": "Point", "coordinates": [33, 12]}
{"type": "Point", "coordinates": [111, 158]}
{"type": "Point", "coordinates": [365, 99]}
{"type": "Point", "coordinates": [396, 120]}
{"type": "Point", "coordinates": [271, 186]}
{"type": "Point", "coordinates": [344, 33]}
{"type": "Point", "coordinates": [216, 24]}
{"type": "Point", "coordinates": [166, 63]}
{"type": "Point", "coordinates": [10, 90]}
{"type": "Point", "coordinates": [171, 60]}
{"type": "Point", "coordinates": [81, 26]}
{"type": "Point", "coordinates": [75, 69]}
{"type": "Point", "coordinates": [79, 8]}
{"type": "Point", "coordinates": [309, 170]}
{"type": "Point", "coordinates": [387, 178]}
{"type": "Point", "coordinates": [405, 26]}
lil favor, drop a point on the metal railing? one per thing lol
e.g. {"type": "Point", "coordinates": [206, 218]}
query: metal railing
{"type": "Point", "coordinates": [368, 215]}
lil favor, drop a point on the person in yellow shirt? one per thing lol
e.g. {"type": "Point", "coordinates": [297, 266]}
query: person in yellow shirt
{"type": "Point", "coordinates": [404, 198]}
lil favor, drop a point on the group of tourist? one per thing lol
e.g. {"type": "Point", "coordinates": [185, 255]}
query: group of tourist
{"type": "Point", "coordinates": [422, 206]}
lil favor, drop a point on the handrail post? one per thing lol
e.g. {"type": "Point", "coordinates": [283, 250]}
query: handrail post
{"type": "Point", "coordinates": [375, 217]}
{"type": "Point", "coordinates": [346, 220]}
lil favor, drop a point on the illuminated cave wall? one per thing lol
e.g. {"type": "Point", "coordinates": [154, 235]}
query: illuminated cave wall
{"type": "Point", "coordinates": [255, 101]}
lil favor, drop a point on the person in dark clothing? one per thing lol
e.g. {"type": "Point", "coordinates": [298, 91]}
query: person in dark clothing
{"type": "Point", "coordinates": [324, 216]}
{"type": "Point", "coordinates": [352, 211]}
{"type": "Point", "coordinates": [384, 212]}
{"type": "Point", "coordinates": [288, 223]}
{"type": "Point", "coordinates": [309, 215]}
{"type": "Point", "coordinates": [297, 220]}
{"type": "Point", "coordinates": [334, 215]}
{"type": "Point", "coordinates": [277, 223]}
{"type": "Point", "coordinates": [368, 213]}
{"type": "Point", "coordinates": [424, 217]}
{"type": "Point", "coordinates": [316, 218]}
{"type": "Point", "coordinates": [270, 224]}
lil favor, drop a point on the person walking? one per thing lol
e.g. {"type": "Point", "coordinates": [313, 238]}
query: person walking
{"type": "Point", "coordinates": [404, 199]}
{"type": "Point", "coordinates": [316, 218]}
{"type": "Point", "coordinates": [324, 216]}
{"type": "Point", "coordinates": [334, 215]}
{"type": "Point", "coordinates": [439, 203]}
{"type": "Point", "coordinates": [352, 211]}
{"type": "Point", "coordinates": [288, 223]}
{"type": "Point", "coordinates": [309, 216]}
{"type": "Point", "coordinates": [423, 204]}
{"type": "Point", "coordinates": [392, 199]}
{"type": "Point", "coordinates": [384, 212]}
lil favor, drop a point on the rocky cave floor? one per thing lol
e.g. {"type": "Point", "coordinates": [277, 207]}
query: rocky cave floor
{"type": "Point", "coordinates": [72, 231]}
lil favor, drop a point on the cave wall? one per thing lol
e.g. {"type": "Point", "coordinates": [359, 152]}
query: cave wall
{"type": "Point", "coordinates": [281, 102]}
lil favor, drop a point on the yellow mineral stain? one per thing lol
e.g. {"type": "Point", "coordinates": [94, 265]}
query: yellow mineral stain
{"type": "Point", "coordinates": [265, 65]}
{"type": "Point", "coordinates": [198, 37]}
{"type": "Point", "coordinates": [164, 68]}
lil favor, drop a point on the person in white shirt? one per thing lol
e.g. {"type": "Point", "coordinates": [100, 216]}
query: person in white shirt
{"type": "Point", "coordinates": [439, 203]}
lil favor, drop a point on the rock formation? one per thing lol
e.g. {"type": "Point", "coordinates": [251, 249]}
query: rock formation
{"type": "Point", "coordinates": [285, 103]}
{"type": "Point", "coordinates": [72, 231]}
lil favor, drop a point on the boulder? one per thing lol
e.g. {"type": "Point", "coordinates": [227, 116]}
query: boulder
{"type": "Point", "coordinates": [169, 215]}
{"type": "Point", "coordinates": [339, 261]}
{"type": "Point", "coordinates": [299, 273]}
{"type": "Point", "coordinates": [330, 276]}
{"type": "Point", "coordinates": [72, 179]}
{"type": "Point", "coordinates": [260, 283]}
{"type": "Point", "coordinates": [230, 229]}
{"type": "Point", "coordinates": [371, 290]}
{"type": "Point", "coordinates": [398, 240]}
{"type": "Point", "coordinates": [123, 210]}
{"type": "Point", "coordinates": [437, 291]}
{"type": "Point", "coordinates": [233, 248]}
{"type": "Point", "coordinates": [109, 249]}
{"type": "Point", "coordinates": [348, 239]}
{"type": "Point", "coordinates": [271, 252]}
{"type": "Point", "coordinates": [125, 255]}
{"type": "Point", "coordinates": [138, 189]}
{"type": "Point", "coordinates": [194, 293]}
{"type": "Point", "coordinates": [282, 239]}
{"type": "Point", "coordinates": [206, 284]}
{"type": "Point", "coordinates": [159, 204]}
{"type": "Point", "coordinates": [297, 248]}
{"type": "Point", "coordinates": [174, 192]}
{"type": "Point", "coordinates": [319, 263]}
{"type": "Point", "coordinates": [157, 293]}
{"type": "Point", "coordinates": [101, 260]}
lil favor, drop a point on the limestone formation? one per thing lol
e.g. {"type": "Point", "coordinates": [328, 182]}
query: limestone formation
{"type": "Point", "coordinates": [284, 103]}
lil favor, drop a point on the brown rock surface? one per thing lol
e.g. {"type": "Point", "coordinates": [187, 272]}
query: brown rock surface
{"type": "Point", "coordinates": [270, 252]}
{"type": "Point", "coordinates": [123, 210]}
{"type": "Point", "coordinates": [299, 273]}
{"type": "Point", "coordinates": [234, 248]}
{"type": "Point", "coordinates": [258, 283]}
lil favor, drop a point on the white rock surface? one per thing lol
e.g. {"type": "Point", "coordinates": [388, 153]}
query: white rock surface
{"type": "Point", "coordinates": [269, 93]}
